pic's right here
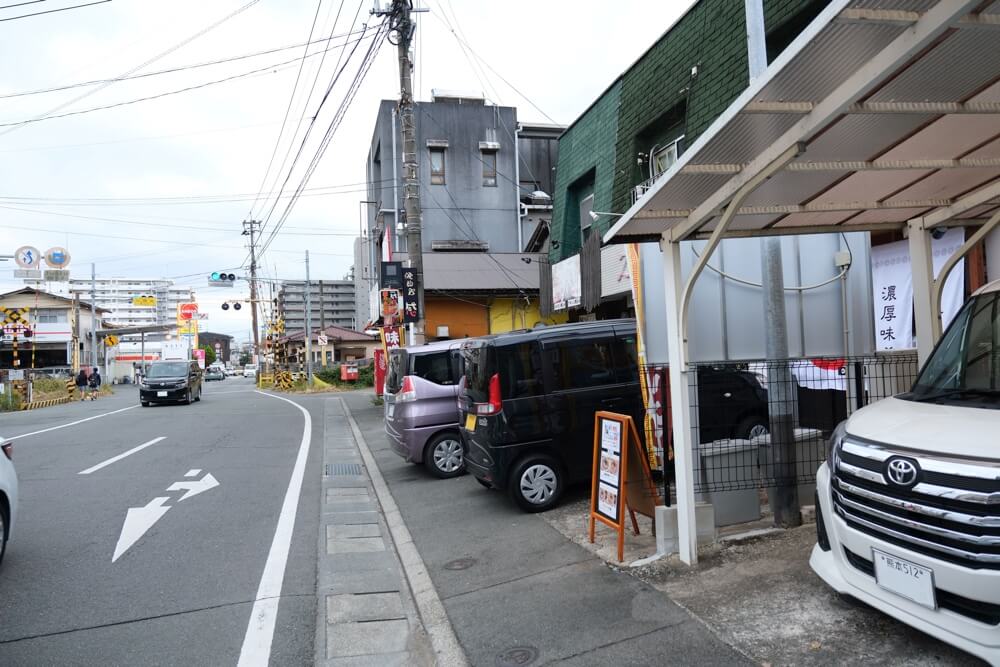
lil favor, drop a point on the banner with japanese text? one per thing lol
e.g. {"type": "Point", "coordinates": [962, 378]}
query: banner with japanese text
{"type": "Point", "coordinates": [892, 289]}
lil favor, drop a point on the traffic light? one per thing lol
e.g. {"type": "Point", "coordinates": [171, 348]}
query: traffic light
{"type": "Point", "coordinates": [236, 305]}
{"type": "Point", "coordinates": [221, 279]}
{"type": "Point", "coordinates": [225, 306]}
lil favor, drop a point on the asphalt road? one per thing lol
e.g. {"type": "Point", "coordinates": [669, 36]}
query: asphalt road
{"type": "Point", "coordinates": [183, 592]}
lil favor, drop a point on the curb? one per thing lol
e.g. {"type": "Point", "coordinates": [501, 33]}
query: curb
{"type": "Point", "coordinates": [34, 405]}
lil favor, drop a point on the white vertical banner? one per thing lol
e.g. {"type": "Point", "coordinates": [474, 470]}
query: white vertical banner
{"type": "Point", "coordinates": [892, 289]}
{"type": "Point", "coordinates": [953, 295]}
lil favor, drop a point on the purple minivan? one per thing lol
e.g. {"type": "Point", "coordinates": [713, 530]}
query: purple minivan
{"type": "Point", "coordinates": [421, 406]}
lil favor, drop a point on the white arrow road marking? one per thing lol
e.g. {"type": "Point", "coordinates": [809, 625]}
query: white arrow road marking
{"type": "Point", "coordinates": [114, 459]}
{"type": "Point", "coordinates": [193, 472]}
{"type": "Point", "coordinates": [137, 521]}
{"type": "Point", "coordinates": [194, 487]}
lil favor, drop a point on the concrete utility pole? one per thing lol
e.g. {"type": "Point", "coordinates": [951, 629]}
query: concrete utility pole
{"type": "Point", "coordinates": [309, 356]}
{"type": "Point", "coordinates": [93, 316]}
{"type": "Point", "coordinates": [403, 28]}
{"type": "Point", "coordinates": [782, 389]}
{"type": "Point", "coordinates": [250, 228]}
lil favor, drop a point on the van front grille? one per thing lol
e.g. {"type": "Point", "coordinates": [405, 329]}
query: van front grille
{"type": "Point", "coordinates": [950, 511]}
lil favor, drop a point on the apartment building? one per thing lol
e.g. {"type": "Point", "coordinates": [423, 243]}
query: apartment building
{"type": "Point", "coordinates": [116, 295]}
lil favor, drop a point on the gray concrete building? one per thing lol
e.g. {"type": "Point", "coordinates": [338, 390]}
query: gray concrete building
{"type": "Point", "coordinates": [332, 303]}
{"type": "Point", "coordinates": [485, 182]}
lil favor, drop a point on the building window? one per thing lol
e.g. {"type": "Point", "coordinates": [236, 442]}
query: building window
{"type": "Point", "coordinates": [586, 220]}
{"type": "Point", "coordinates": [437, 166]}
{"type": "Point", "coordinates": [489, 160]}
{"type": "Point", "coordinates": [50, 316]}
{"type": "Point", "coordinates": [665, 156]}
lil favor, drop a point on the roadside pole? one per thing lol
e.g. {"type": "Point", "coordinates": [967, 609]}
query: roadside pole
{"type": "Point", "coordinates": [309, 358]}
{"type": "Point", "coordinates": [93, 316]}
{"type": "Point", "coordinates": [782, 391]}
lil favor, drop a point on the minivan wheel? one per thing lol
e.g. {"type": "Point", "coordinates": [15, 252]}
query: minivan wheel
{"type": "Point", "coordinates": [536, 484]}
{"type": "Point", "coordinates": [443, 456]}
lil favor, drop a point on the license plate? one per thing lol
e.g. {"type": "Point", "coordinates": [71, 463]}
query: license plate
{"type": "Point", "coordinates": [161, 393]}
{"type": "Point", "coordinates": [905, 578]}
{"type": "Point", "coordinates": [470, 422]}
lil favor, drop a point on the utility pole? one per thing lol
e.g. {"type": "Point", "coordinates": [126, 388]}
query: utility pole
{"type": "Point", "coordinates": [309, 356]}
{"type": "Point", "coordinates": [401, 18]}
{"type": "Point", "coordinates": [93, 316]}
{"type": "Point", "coordinates": [782, 390]}
{"type": "Point", "coordinates": [250, 228]}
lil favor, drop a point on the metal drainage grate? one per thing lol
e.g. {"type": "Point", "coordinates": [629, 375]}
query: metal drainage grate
{"type": "Point", "coordinates": [333, 469]}
{"type": "Point", "coordinates": [517, 656]}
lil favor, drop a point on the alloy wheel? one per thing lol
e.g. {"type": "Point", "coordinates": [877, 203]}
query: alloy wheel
{"type": "Point", "coordinates": [538, 483]}
{"type": "Point", "coordinates": [757, 431]}
{"type": "Point", "coordinates": [448, 455]}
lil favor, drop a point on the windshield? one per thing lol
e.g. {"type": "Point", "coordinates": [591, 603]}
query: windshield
{"type": "Point", "coordinates": [965, 366]}
{"type": "Point", "coordinates": [168, 370]}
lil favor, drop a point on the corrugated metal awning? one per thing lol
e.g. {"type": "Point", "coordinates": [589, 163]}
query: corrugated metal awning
{"type": "Point", "coordinates": [879, 112]}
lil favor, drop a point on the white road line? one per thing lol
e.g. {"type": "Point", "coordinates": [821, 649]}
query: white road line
{"type": "Point", "coordinates": [260, 630]}
{"type": "Point", "coordinates": [78, 421]}
{"type": "Point", "coordinates": [115, 459]}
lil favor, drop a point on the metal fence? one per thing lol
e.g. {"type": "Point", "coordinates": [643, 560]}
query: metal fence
{"type": "Point", "coordinates": [761, 424]}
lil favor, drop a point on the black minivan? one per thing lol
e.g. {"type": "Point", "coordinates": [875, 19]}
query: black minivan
{"type": "Point", "coordinates": [530, 398]}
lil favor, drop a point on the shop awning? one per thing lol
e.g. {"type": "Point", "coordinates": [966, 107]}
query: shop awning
{"type": "Point", "coordinates": [879, 112]}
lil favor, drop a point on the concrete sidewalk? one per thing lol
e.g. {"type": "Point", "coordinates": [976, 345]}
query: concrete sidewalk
{"type": "Point", "coordinates": [366, 613]}
{"type": "Point", "coordinates": [517, 592]}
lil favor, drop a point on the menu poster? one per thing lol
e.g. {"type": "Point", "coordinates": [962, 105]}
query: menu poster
{"type": "Point", "coordinates": [607, 501]}
{"type": "Point", "coordinates": [609, 469]}
{"type": "Point", "coordinates": [611, 436]}
{"type": "Point", "coordinates": [610, 465]}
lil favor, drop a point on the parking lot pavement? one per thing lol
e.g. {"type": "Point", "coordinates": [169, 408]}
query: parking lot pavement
{"type": "Point", "coordinates": [762, 597]}
{"type": "Point", "coordinates": [517, 592]}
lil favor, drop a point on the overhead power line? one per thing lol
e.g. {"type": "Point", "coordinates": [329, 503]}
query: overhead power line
{"type": "Point", "coordinates": [288, 111]}
{"type": "Point", "coordinates": [143, 65]}
{"type": "Point", "coordinates": [179, 68]}
{"type": "Point", "coordinates": [50, 11]}
{"type": "Point", "coordinates": [21, 4]}
{"type": "Point", "coordinates": [268, 69]}
{"type": "Point", "coordinates": [328, 136]}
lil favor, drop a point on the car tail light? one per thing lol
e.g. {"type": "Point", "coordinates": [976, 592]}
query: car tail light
{"type": "Point", "coordinates": [8, 450]}
{"type": "Point", "coordinates": [407, 392]}
{"type": "Point", "coordinates": [495, 400]}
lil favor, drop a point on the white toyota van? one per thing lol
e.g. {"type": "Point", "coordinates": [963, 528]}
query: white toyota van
{"type": "Point", "coordinates": [908, 512]}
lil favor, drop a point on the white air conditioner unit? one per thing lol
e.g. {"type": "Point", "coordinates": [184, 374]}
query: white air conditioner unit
{"type": "Point", "coordinates": [442, 332]}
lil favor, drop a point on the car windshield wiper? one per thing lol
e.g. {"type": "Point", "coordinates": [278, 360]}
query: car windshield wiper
{"type": "Point", "coordinates": [955, 393]}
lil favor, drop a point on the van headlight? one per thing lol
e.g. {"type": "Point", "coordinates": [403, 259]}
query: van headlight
{"type": "Point", "coordinates": [833, 447]}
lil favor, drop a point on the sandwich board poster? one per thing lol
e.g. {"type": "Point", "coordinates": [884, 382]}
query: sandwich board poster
{"type": "Point", "coordinates": [621, 477]}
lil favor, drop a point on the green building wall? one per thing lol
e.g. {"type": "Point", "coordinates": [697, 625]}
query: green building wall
{"type": "Point", "coordinates": [589, 146]}
{"type": "Point", "coordinates": [657, 99]}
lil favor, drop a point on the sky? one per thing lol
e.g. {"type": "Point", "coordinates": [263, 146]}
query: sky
{"type": "Point", "coordinates": [159, 188]}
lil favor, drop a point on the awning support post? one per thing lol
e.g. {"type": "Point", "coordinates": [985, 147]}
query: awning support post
{"type": "Point", "coordinates": [678, 297]}
{"type": "Point", "coordinates": [928, 322]}
{"type": "Point", "coordinates": [680, 402]}
{"type": "Point", "coordinates": [928, 289]}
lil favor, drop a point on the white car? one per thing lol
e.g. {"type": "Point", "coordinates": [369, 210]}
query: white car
{"type": "Point", "coordinates": [8, 494]}
{"type": "Point", "coordinates": [249, 371]}
{"type": "Point", "coordinates": [908, 518]}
